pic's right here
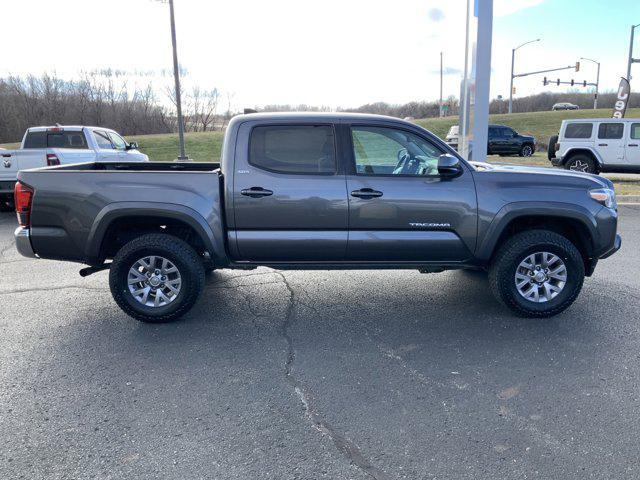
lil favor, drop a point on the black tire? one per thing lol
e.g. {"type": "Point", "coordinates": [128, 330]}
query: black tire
{"type": "Point", "coordinates": [551, 149]}
{"type": "Point", "coordinates": [505, 263]}
{"type": "Point", "coordinates": [178, 252]}
{"type": "Point", "coordinates": [581, 163]}
{"type": "Point", "coordinates": [527, 150]}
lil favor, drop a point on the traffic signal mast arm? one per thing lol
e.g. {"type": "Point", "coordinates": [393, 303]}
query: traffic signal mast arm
{"type": "Point", "coordinates": [576, 66]}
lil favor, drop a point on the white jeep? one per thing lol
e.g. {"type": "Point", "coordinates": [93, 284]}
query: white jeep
{"type": "Point", "coordinates": [597, 145]}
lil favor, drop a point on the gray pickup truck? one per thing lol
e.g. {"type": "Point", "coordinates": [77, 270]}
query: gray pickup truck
{"type": "Point", "coordinates": [319, 191]}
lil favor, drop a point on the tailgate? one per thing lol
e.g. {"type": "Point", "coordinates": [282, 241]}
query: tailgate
{"type": "Point", "coordinates": [8, 170]}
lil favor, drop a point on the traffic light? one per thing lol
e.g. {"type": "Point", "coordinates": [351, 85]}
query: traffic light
{"type": "Point", "coordinates": [577, 66]}
{"type": "Point", "coordinates": [513, 91]}
{"type": "Point", "coordinates": [544, 81]}
{"type": "Point", "coordinates": [558, 82]}
{"type": "Point", "coordinates": [572, 82]}
{"type": "Point", "coordinates": [584, 84]}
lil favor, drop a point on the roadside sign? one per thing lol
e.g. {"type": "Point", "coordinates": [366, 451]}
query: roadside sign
{"type": "Point", "coordinates": [622, 99]}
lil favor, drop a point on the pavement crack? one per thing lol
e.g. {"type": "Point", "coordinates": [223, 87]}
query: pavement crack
{"type": "Point", "coordinates": [346, 447]}
{"type": "Point", "coordinates": [7, 248]}
{"type": "Point", "coordinates": [47, 289]}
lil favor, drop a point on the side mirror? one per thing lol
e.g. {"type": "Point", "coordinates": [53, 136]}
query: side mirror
{"type": "Point", "coordinates": [132, 146]}
{"type": "Point", "coordinates": [449, 166]}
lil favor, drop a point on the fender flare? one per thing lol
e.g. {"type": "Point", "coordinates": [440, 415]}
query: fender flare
{"type": "Point", "coordinates": [589, 149]}
{"type": "Point", "coordinates": [515, 210]}
{"type": "Point", "coordinates": [213, 242]}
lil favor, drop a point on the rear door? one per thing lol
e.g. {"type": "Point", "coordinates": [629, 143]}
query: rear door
{"type": "Point", "coordinates": [289, 196]}
{"type": "Point", "coordinates": [610, 142]}
{"type": "Point", "coordinates": [632, 147]}
{"type": "Point", "coordinates": [400, 209]}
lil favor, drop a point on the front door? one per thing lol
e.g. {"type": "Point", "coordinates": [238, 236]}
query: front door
{"type": "Point", "coordinates": [289, 197]}
{"type": "Point", "coordinates": [400, 208]}
{"type": "Point", "coordinates": [105, 151]}
{"type": "Point", "coordinates": [632, 147]}
{"type": "Point", "coordinates": [610, 143]}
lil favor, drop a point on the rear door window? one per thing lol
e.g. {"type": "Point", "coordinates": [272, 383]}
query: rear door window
{"type": "Point", "coordinates": [35, 140]}
{"type": "Point", "coordinates": [612, 131]}
{"type": "Point", "coordinates": [306, 149]}
{"type": "Point", "coordinates": [578, 130]}
{"type": "Point", "coordinates": [66, 140]}
{"type": "Point", "coordinates": [635, 131]}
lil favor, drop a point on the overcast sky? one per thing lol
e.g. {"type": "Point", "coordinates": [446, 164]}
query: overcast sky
{"type": "Point", "coordinates": [330, 52]}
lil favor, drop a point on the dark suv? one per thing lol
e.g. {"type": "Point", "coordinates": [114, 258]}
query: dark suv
{"type": "Point", "coordinates": [505, 140]}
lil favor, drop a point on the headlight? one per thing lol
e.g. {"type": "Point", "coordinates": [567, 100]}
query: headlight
{"type": "Point", "coordinates": [605, 196]}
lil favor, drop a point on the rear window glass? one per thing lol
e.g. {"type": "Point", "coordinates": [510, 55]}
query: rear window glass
{"type": "Point", "coordinates": [293, 149]}
{"type": "Point", "coordinates": [66, 140]}
{"type": "Point", "coordinates": [610, 130]}
{"type": "Point", "coordinates": [36, 140]}
{"type": "Point", "coordinates": [635, 131]}
{"type": "Point", "coordinates": [578, 130]}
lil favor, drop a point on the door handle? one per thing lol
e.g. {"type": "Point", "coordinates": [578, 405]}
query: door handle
{"type": "Point", "coordinates": [366, 193]}
{"type": "Point", "coordinates": [256, 192]}
{"type": "Point", "coordinates": [603, 144]}
{"type": "Point", "coordinates": [6, 155]}
{"type": "Point", "coordinates": [632, 145]}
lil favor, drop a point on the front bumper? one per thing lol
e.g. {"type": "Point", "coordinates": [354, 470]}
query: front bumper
{"type": "Point", "coordinates": [23, 242]}
{"type": "Point", "coordinates": [616, 246]}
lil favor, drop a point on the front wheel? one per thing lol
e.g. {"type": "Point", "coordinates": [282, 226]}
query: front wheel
{"type": "Point", "coordinates": [537, 273]}
{"type": "Point", "coordinates": [156, 278]}
{"type": "Point", "coordinates": [526, 150]}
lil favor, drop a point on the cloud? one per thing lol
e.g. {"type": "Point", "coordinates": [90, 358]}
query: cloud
{"type": "Point", "coordinates": [436, 14]}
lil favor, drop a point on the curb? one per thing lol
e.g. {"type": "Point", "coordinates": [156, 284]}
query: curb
{"type": "Point", "coordinates": [627, 199]}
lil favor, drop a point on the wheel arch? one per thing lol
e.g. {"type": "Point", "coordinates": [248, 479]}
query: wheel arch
{"type": "Point", "coordinates": [572, 221]}
{"type": "Point", "coordinates": [571, 152]}
{"type": "Point", "coordinates": [137, 218]}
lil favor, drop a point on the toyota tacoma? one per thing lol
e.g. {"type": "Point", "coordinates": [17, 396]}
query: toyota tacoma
{"type": "Point", "coordinates": [319, 191]}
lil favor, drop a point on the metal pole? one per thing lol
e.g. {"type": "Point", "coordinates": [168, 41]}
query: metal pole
{"type": "Point", "coordinates": [595, 97]}
{"type": "Point", "coordinates": [633, 27]}
{"type": "Point", "coordinates": [513, 55]}
{"type": "Point", "coordinates": [176, 75]}
{"type": "Point", "coordinates": [441, 110]}
{"type": "Point", "coordinates": [483, 77]}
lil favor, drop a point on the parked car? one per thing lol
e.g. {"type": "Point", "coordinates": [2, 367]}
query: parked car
{"type": "Point", "coordinates": [60, 145]}
{"type": "Point", "coordinates": [564, 106]}
{"type": "Point", "coordinates": [502, 140]}
{"type": "Point", "coordinates": [278, 199]}
{"type": "Point", "coordinates": [453, 137]}
{"type": "Point", "coordinates": [597, 145]}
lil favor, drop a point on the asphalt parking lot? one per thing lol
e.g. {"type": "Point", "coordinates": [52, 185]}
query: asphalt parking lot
{"type": "Point", "coordinates": [304, 375]}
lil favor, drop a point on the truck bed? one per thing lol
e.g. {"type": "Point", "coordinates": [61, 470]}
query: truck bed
{"type": "Point", "coordinates": [141, 166]}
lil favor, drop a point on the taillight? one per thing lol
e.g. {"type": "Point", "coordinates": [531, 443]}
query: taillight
{"type": "Point", "coordinates": [23, 195]}
{"type": "Point", "coordinates": [52, 160]}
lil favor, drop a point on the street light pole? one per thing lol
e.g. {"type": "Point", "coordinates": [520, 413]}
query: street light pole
{"type": "Point", "coordinates": [513, 56]}
{"type": "Point", "coordinates": [595, 97]}
{"type": "Point", "coordinates": [441, 109]}
{"type": "Point", "coordinates": [631, 59]}
{"type": "Point", "coordinates": [176, 75]}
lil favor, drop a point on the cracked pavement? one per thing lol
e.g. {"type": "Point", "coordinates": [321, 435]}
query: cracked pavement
{"type": "Point", "coordinates": [316, 374]}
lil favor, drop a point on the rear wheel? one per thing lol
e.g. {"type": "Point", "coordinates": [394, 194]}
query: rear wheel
{"type": "Point", "coordinates": [156, 278]}
{"type": "Point", "coordinates": [581, 163]}
{"type": "Point", "coordinates": [537, 273]}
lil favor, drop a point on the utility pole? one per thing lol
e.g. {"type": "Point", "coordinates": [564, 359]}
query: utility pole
{"type": "Point", "coordinates": [631, 59]}
{"type": "Point", "coordinates": [595, 96]}
{"type": "Point", "coordinates": [176, 75]}
{"type": "Point", "coordinates": [441, 109]}
{"type": "Point", "coordinates": [513, 56]}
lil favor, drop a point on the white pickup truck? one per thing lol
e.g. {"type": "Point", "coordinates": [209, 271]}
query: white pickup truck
{"type": "Point", "coordinates": [60, 145]}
